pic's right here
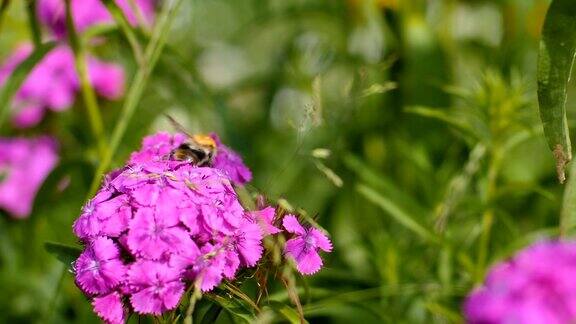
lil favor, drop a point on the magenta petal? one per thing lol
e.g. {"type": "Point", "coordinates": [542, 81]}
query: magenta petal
{"type": "Point", "coordinates": [110, 308]}
{"type": "Point", "coordinates": [308, 262]}
{"type": "Point", "coordinates": [322, 241]}
{"type": "Point", "coordinates": [292, 225]}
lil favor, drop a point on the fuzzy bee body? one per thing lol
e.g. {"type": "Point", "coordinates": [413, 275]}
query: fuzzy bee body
{"type": "Point", "coordinates": [198, 149]}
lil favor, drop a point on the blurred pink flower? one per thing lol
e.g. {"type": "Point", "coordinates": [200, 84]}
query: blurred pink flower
{"type": "Point", "coordinates": [538, 285]}
{"type": "Point", "coordinates": [303, 248]}
{"type": "Point", "coordinates": [87, 13]}
{"type": "Point", "coordinates": [53, 83]}
{"type": "Point", "coordinates": [24, 165]}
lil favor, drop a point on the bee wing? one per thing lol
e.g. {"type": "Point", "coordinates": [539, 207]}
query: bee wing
{"type": "Point", "coordinates": [178, 126]}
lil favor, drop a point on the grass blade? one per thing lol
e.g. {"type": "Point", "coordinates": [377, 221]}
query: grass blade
{"type": "Point", "coordinates": [555, 59]}
{"type": "Point", "coordinates": [397, 213]}
{"type": "Point", "coordinates": [126, 29]}
{"type": "Point", "coordinates": [88, 94]}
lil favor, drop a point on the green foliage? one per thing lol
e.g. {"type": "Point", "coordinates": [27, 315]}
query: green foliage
{"type": "Point", "coordinates": [556, 56]}
{"type": "Point", "coordinates": [408, 129]}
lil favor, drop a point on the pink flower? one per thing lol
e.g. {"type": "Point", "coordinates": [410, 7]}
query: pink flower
{"type": "Point", "coordinates": [53, 83]}
{"type": "Point", "coordinates": [174, 224]}
{"type": "Point", "coordinates": [154, 234]}
{"type": "Point", "coordinates": [87, 13]}
{"type": "Point", "coordinates": [158, 287]}
{"type": "Point", "coordinates": [99, 268]}
{"type": "Point", "coordinates": [24, 165]}
{"type": "Point", "coordinates": [538, 285]}
{"type": "Point", "coordinates": [157, 147]}
{"type": "Point", "coordinates": [110, 308]}
{"type": "Point", "coordinates": [108, 217]}
{"type": "Point", "coordinates": [303, 248]}
{"type": "Point", "coordinates": [231, 163]}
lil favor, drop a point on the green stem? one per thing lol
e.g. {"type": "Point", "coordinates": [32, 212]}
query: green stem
{"type": "Point", "coordinates": [151, 55]}
{"type": "Point", "coordinates": [3, 8]}
{"type": "Point", "coordinates": [33, 22]}
{"type": "Point", "coordinates": [88, 95]}
{"type": "Point", "coordinates": [487, 216]}
{"type": "Point", "coordinates": [124, 25]}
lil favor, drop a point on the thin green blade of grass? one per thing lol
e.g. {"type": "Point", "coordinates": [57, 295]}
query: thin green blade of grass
{"type": "Point", "coordinates": [88, 94]}
{"type": "Point", "coordinates": [151, 55]}
{"type": "Point", "coordinates": [17, 77]}
{"type": "Point", "coordinates": [555, 60]}
{"type": "Point", "coordinates": [121, 20]}
{"type": "Point", "coordinates": [33, 22]}
{"type": "Point", "coordinates": [3, 8]}
{"type": "Point", "coordinates": [397, 213]}
{"type": "Point", "coordinates": [377, 180]}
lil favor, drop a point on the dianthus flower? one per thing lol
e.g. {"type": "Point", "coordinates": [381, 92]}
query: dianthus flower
{"type": "Point", "coordinates": [303, 247]}
{"type": "Point", "coordinates": [24, 165]}
{"type": "Point", "coordinates": [157, 147]}
{"type": "Point", "coordinates": [538, 285]}
{"type": "Point", "coordinates": [53, 83]}
{"type": "Point", "coordinates": [87, 13]}
{"type": "Point", "coordinates": [156, 227]}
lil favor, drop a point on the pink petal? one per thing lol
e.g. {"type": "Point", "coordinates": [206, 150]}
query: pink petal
{"type": "Point", "coordinates": [322, 241]}
{"type": "Point", "coordinates": [292, 225]}
{"type": "Point", "coordinates": [110, 308]}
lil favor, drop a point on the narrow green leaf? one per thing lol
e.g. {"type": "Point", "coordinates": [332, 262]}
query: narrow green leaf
{"type": "Point", "coordinates": [125, 27]}
{"type": "Point", "coordinates": [555, 59]}
{"type": "Point", "coordinates": [289, 313]}
{"type": "Point", "coordinates": [64, 253]}
{"type": "Point", "coordinates": [3, 8]}
{"type": "Point", "coordinates": [234, 307]}
{"type": "Point", "coordinates": [88, 93]}
{"type": "Point", "coordinates": [33, 22]}
{"type": "Point", "coordinates": [18, 76]}
{"type": "Point", "coordinates": [397, 213]}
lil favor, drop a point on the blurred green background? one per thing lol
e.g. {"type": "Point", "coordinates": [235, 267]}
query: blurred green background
{"type": "Point", "coordinates": [407, 127]}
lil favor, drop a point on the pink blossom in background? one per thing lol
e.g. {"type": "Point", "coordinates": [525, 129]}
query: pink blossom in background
{"type": "Point", "coordinates": [303, 248]}
{"type": "Point", "coordinates": [537, 285]}
{"type": "Point", "coordinates": [87, 13]}
{"type": "Point", "coordinates": [24, 165]}
{"type": "Point", "coordinates": [53, 83]}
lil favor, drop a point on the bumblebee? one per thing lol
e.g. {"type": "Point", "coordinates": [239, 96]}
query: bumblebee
{"type": "Point", "coordinates": [198, 149]}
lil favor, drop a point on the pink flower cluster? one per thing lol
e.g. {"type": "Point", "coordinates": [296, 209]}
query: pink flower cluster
{"type": "Point", "coordinates": [53, 83]}
{"type": "Point", "coordinates": [158, 226]}
{"type": "Point", "coordinates": [24, 164]}
{"type": "Point", "coordinates": [538, 285]}
{"type": "Point", "coordinates": [87, 13]}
